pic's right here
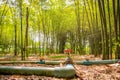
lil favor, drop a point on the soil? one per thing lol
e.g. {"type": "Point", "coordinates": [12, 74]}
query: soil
{"type": "Point", "coordinates": [91, 72]}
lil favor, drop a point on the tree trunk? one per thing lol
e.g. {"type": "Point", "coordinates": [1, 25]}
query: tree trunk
{"type": "Point", "coordinates": [15, 49]}
{"type": "Point", "coordinates": [21, 28]}
{"type": "Point", "coordinates": [110, 31]}
{"type": "Point", "coordinates": [115, 13]}
{"type": "Point", "coordinates": [26, 37]}
{"type": "Point", "coordinates": [104, 29]}
{"type": "Point", "coordinates": [118, 24]}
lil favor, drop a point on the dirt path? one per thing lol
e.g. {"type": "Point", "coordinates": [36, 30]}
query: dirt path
{"type": "Point", "coordinates": [92, 72]}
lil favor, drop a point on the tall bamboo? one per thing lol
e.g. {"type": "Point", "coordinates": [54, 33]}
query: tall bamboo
{"type": "Point", "coordinates": [26, 36]}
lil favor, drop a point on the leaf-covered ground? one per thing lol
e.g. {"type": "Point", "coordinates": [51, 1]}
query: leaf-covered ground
{"type": "Point", "coordinates": [92, 72]}
{"type": "Point", "coordinates": [98, 72]}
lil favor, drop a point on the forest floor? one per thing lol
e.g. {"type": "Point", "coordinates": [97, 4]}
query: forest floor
{"type": "Point", "coordinates": [92, 72]}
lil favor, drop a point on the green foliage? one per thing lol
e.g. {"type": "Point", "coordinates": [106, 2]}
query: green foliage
{"type": "Point", "coordinates": [77, 22]}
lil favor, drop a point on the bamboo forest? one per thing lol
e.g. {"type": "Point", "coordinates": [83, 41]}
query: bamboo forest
{"type": "Point", "coordinates": [59, 39]}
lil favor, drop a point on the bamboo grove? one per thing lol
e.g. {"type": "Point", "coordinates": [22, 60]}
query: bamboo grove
{"type": "Point", "coordinates": [44, 27]}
